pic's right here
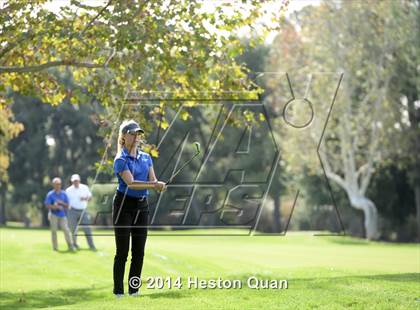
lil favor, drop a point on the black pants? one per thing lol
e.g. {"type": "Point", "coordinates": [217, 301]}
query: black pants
{"type": "Point", "coordinates": [132, 214]}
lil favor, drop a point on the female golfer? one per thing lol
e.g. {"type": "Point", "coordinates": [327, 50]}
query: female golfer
{"type": "Point", "coordinates": [134, 170]}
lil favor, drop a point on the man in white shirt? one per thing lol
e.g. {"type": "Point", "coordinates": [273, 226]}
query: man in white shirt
{"type": "Point", "coordinates": [79, 195]}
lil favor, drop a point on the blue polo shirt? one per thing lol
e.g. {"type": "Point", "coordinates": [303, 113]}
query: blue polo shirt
{"type": "Point", "coordinates": [139, 167]}
{"type": "Point", "coordinates": [52, 197]}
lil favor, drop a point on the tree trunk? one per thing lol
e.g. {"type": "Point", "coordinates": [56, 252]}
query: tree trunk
{"type": "Point", "coordinates": [276, 215]}
{"type": "Point", "coordinates": [370, 214]}
{"type": "Point", "coordinates": [3, 205]}
{"type": "Point", "coordinates": [417, 197]}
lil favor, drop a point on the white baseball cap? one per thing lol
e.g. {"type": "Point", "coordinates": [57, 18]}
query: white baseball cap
{"type": "Point", "coordinates": [75, 177]}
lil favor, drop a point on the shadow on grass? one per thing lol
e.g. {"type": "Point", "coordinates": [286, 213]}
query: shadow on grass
{"type": "Point", "coordinates": [66, 297]}
{"type": "Point", "coordinates": [167, 294]}
{"type": "Point", "coordinates": [23, 228]}
{"type": "Point", "coordinates": [43, 298]}
{"type": "Point", "coordinates": [399, 277]}
{"type": "Point", "coordinates": [403, 277]}
{"type": "Point", "coordinates": [71, 297]}
{"type": "Point", "coordinates": [76, 251]}
{"type": "Point", "coordinates": [348, 241]}
{"type": "Point", "coordinates": [66, 252]}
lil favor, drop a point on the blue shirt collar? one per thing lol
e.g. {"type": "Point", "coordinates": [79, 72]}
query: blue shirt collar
{"type": "Point", "coordinates": [125, 152]}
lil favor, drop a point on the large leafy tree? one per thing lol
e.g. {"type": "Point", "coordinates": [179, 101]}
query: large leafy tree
{"type": "Point", "coordinates": [120, 46]}
{"type": "Point", "coordinates": [356, 39]}
{"type": "Point", "coordinates": [9, 129]}
{"type": "Point", "coordinates": [123, 45]}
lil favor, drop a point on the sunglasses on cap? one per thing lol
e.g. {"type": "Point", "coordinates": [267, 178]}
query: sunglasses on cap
{"type": "Point", "coordinates": [132, 129]}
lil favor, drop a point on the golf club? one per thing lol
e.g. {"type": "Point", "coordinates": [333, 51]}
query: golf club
{"type": "Point", "coordinates": [198, 149]}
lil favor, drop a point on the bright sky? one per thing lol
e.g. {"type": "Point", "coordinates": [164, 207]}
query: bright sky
{"type": "Point", "coordinates": [296, 5]}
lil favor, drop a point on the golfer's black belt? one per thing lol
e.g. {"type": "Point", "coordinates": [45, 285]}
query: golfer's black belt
{"type": "Point", "coordinates": [132, 203]}
{"type": "Point", "coordinates": [131, 198]}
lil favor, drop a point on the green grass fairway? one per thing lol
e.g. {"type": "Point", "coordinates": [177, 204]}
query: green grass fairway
{"type": "Point", "coordinates": [322, 272]}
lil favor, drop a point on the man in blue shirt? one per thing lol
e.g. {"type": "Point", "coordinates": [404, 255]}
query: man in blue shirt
{"type": "Point", "coordinates": [57, 202]}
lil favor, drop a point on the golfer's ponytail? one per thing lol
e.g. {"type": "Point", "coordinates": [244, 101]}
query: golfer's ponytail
{"type": "Point", "coordinates": [121, 140]}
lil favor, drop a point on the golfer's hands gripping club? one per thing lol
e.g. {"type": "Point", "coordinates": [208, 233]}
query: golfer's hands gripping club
{"type": "Point", "coordinates": [160, 186]}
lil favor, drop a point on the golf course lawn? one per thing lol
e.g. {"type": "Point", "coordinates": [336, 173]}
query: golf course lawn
{"type": "Point", "coordinates": [322, 272]}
